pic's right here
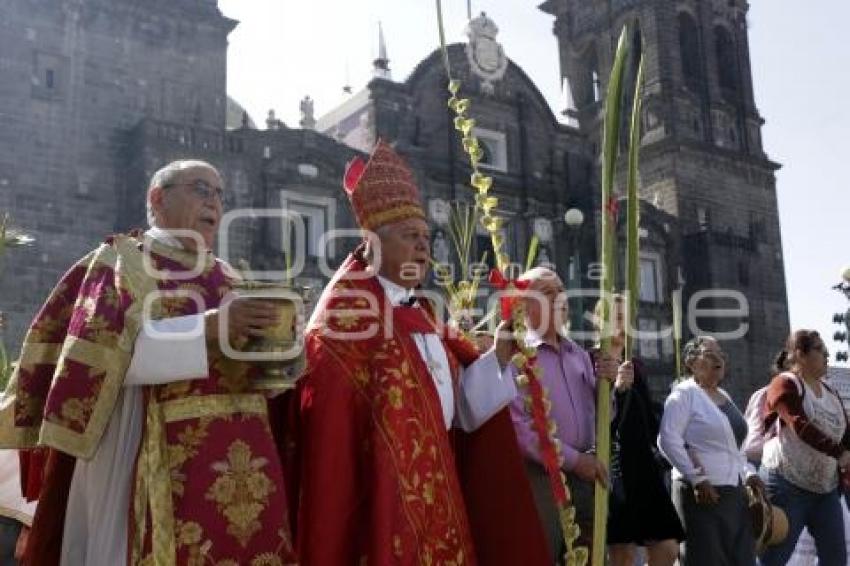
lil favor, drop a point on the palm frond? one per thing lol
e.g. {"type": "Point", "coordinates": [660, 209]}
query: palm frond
{"type": "Point", "coordinates": [633, 218]}
{"type": "Point", "coordinates": [14, 238]}
{"type": "Point", "coordinates": [11, 237]}
{"type": "Point", "coordinates": [533, 245]}
{"type": "Point", "coordinates": [610, 146]}
{"type": "Point", "coordinates": [5, 367]}
{"type": "Point", "coordinates": [462, 221]}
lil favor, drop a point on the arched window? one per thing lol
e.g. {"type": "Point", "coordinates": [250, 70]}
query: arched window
{"type": "Point", "coordinates": [689, 52]}
{"type": "Point", "coordinates": [727, 60]}
{"type": "Point", "coordinates": [494, 146]}
{"type": "Point", "coordinates": [590, 89]}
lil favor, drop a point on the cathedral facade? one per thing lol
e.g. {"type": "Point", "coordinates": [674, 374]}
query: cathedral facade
{"type": "Point", "coordinates": [95, 95]}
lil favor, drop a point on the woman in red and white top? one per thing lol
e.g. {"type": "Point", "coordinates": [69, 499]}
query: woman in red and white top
{"type": "Point", "coordinates": [801, 463]}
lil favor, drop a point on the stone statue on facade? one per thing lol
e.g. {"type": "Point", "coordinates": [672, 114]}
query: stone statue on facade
{"type": "Point", "coordinates": [308, 120]}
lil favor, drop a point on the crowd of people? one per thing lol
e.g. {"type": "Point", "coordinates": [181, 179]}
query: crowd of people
{"type": "Point", "coordinates": [136, 440]}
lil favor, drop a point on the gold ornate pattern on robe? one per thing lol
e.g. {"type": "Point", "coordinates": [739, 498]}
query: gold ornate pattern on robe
{"type": "Point", "coordinates": [402, 494]}
{"type": "Point", "coordinates": [201, 437]}
{"type": "Point", "coordinates": [208, 440]}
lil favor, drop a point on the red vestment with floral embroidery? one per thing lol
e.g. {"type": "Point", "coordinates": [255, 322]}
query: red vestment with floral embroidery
{"type": "Point", "coordinates": [380, 480]}
{"type": "Point", "coordinates": [208, 484]}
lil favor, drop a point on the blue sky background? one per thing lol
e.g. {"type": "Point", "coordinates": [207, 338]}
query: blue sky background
{"type": "Point", "coordinates": [284, 50]}
{"type": "Point", "coordinates": [801, 71]}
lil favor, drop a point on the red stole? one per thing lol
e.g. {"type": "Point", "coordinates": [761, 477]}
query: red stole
{"type": "Point", "coordinates": [488, 460]}
{"type": "Point", "coordinates": [378, 476]}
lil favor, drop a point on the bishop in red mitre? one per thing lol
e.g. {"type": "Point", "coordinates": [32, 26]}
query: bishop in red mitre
{"type": "Point", "coordinates": [405, 452]}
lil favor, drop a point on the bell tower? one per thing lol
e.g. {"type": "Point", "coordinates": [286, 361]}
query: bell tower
{"type": "Point", "coordinates": [702, 158]}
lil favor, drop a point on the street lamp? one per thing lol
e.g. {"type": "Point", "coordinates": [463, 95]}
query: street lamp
{"type": "Point", "coordinates": [842, 318]}
{"type": "Point", "coordinates": [574, 219]}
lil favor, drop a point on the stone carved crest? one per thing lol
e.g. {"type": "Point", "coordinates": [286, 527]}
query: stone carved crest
{"type": "Point", "coordinates": [486, 56]}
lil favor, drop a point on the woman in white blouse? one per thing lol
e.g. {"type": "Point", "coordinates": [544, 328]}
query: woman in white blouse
{"type": "Point", "coordinates": [701, 434]}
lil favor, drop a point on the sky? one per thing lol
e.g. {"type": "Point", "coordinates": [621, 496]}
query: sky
{"type": "Point", "coordinates": [284, 50]}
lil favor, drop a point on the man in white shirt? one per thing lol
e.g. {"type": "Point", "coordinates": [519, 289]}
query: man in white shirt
{"type": "Point", "coordinates": [123, 382]}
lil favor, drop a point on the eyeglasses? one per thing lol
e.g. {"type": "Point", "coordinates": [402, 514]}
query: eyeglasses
{"type": "Point", "coordinates": [201, 188]}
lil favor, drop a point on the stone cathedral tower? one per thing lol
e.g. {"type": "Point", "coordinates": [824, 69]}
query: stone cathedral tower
{"type": "Point", "coordinates": [702, 158]}
{"type": "Point", "coordinates": [76, 79]}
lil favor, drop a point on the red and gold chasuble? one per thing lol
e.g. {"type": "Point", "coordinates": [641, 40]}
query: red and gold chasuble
{"type": "Point", "coordinates": [377, 474]}
{"type": "Point", "coordinates": [208, 484]}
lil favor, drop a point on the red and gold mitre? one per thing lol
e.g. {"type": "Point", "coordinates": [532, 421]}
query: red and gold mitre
{"type": "Point", "coordinates": [382, 191]}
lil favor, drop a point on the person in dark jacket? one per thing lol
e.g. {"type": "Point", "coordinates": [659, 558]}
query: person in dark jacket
{"type": "Point", "coordinates": [640, 510]}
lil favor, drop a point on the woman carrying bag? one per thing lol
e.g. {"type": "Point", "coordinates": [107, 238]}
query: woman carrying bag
{"type": "Point", "coordinates": [802, 461]}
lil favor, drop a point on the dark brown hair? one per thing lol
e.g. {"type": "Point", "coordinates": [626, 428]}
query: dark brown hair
{"type": "Point", "coordinates": [803, 340]}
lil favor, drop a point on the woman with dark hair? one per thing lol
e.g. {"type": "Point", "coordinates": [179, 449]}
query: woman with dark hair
{"type": "Point", "coordinates": [701, 435]}
{"type": "Point", "coordinates": [640, 510]}
{"type": "Point", "coordinates": [801, 462]}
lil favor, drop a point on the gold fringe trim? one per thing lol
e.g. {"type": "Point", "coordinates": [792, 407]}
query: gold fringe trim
{"type": "Point", "coordinates": [212, 405]}
{"type": "Point", "coordinates": [378, 219]}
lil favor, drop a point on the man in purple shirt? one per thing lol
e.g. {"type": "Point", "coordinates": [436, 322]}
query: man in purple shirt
{"type": "Point", "coordinates": [570, 378]}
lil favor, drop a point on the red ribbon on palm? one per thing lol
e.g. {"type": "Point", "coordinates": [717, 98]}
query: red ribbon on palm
{"type": "Point", "coordinates": [540, 422]}
{"type": "Point", "coordinates": [613, 208]}
{"type": "Point", "coordinates": [548, 453]}
{"type": "Point", "coordinates": [508, 301]}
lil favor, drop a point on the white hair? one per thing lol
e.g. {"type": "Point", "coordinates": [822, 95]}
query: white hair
{"type": "Point", "coordinates": [373, 239]}
{"type": "Point", "coordinates": [168, 176]}
{"type": "Point", "coordinates": [691, 352]}
{"type": "Point", "coordinates": [538, 273]}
